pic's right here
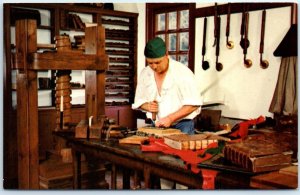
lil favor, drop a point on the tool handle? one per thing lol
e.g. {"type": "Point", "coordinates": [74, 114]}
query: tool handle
{"type": "Point", "coordinates": [154, 116]}
{"type": "Point", "coordinates": [204, 37]}
{"type": "Point", "coordinates": [154, 113]}
{"type": "Point", "coordinates": [246, 42]}
{"type": "Point", "coordinates": [216, 19]}
{"type": "Point", "coordinates": [218, 36]}
{"type": "Point", "coordinates": [228, 20]}
{"type": "Point", "coordinates": [262, 37]}
{"type": "Point", "coordinates": [246, 25]}
{"type": "Point", "coordinates": [243, 25]}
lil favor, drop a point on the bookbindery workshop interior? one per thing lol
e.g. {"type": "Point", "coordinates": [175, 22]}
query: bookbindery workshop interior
{"type": "Point", "coordinates": [71, 78]}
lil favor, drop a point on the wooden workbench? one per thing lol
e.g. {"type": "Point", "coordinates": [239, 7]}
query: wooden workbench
{"type": "Point", "coordinates": [151, 164]}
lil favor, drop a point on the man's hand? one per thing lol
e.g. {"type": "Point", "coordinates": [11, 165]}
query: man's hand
{"type": "Point", "coordinates": [164, 122]}
{"type": "Point", "coordinates": [152, 106]}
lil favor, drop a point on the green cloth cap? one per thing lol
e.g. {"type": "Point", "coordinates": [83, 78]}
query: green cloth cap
{"type": "Point", "coordinates": [155, 48]}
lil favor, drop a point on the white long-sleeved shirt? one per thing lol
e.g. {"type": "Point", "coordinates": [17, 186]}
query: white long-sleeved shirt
{"type": "Point", "coordinates": [178, 89]}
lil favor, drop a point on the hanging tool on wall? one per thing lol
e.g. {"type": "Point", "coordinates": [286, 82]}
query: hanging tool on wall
{"type": "Point", "coordinates": [247, 62]}
{"type": "Point", "coordinates": [215, 24]}
{"type": "Point", "coordinates": [219, 66]}
{"type": "Point", "coordinates": [242, 32]}
{"type": "Point", "coordinates": [205, 64]}
{"type": "Point", "coordinates": [263, 63]}
{"type": "Point", "coordinates": [245, 43]}
{"type": "Point", "coordinates": [229, 44]}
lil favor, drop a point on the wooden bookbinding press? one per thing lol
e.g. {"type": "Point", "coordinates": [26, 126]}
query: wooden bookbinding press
{"type": "Point", "coordinates": [28, 62]}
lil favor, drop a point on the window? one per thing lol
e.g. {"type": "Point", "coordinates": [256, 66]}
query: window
{"type": "Point", "coordinates": [171, 23]}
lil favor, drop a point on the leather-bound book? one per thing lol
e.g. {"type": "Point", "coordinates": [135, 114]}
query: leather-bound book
{"type": "Point", "coordinates": [258, 155]}
{"type": "Point", "coordinates": [191, 142]}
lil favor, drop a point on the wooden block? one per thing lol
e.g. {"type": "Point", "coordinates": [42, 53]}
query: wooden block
{"type": "Point", "coordinates": [133, 140]}
{"type": "Point", "coordinates": [54, 174]}
{"type": "Point", "coordinates": [96, 128]}
{"type": "Point", "coordinates": [66, 155]}
{"type": "Point", "coordinates": [81, 129]}
{"type": "Point", "coordinates": [191, 142]}
{"type": "Point", "coordinates": [159, 132]}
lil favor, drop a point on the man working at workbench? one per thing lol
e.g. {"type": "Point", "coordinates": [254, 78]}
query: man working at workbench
{"type": "Point", "coordinates": [167, 89]}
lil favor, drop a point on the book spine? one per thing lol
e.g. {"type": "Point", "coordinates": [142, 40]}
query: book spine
{"type": "Point", "coordinates": [269, 160]}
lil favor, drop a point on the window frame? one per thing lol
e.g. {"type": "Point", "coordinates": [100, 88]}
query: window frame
{"type": "Point", "coordinates": [152, 9]}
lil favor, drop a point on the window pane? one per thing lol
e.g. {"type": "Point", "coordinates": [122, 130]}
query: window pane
{"type": "Point", "coordinates": [162, 36]}
{"type": "Point", "coordinates": [161, 22]}
{"type": "Point", "coordinates": [184, 19]}
{"type": "Point", "coordinates": [184, 41]}
{"type": "Point", "coordinates": [172, 42]}
{"type": "Point", "coordinates": [183, 59]}
{"type": "Point", "coordinates": [173, 57]}
{"type": "Point", "coordinates": [172, 20]}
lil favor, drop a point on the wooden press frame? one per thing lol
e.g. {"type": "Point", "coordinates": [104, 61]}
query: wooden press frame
{"type": "Point", "coordinates": [28, 62]}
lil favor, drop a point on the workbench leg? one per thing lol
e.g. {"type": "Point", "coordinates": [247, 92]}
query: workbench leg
{"type": "Point", "coordinates": [113, 180]}
{"type": "Point", "coordinates": [76, 169]}
{"type": "Point", "coordinates": [147, 177]}
{"type": "Point", "coordinates": [126, 178]}
{"type": "Point", "coordinates": [136, 180]}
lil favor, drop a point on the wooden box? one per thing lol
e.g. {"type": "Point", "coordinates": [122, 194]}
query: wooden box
{"type": "Point", "coordinates": [55, 174]}
{"type": "Point", "coordinates": [81, 130]}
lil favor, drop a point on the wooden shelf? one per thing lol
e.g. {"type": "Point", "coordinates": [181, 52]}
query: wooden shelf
{"type": "Point", "coordinates": [117, 90]}
{"type": "Point", "coordinates": [120, 67]}
{"type": "Point", "coordinates": [116, 22]}
{"type": "Point", "coordinates": [120, 60]}
{"type": "Point", "coordinates": [118, 96]}
{"type": "Point", "coordinates": [72, 29]}
{"type": "Point", "coordinates": [123, 35]}
{"type": "Point", "coordinates": [118, 45]}
{"type": "Point", "coordinates": [110, 73]}
{"type": "Point", "coordinates": [118, 52]}
{"type": "Point", "coordinates": [118, 82]}
{"type": "Point", "coordinates": [116, 38]}
{"type": "Point", "coordinates": [116, 103]}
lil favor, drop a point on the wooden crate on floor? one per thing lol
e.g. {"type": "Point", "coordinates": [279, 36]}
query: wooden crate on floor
{"type": "Point", "coordinates": [55, 174]}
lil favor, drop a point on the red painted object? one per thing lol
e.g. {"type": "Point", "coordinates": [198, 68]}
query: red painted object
{"type": "Point", "coordinates": [190, 157]}
{"type": "Point", "coordinates": [241, 129]}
